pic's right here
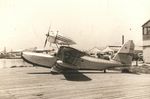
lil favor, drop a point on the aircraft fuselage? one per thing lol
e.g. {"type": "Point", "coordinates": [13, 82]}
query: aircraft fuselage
{"type": "Point", "coordinates": [87, 62]}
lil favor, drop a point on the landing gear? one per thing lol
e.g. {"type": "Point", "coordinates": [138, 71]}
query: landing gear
{"type": "Point", "coordinates": [125, 70]}
{"type": "Point", "coordinates": [56, 69]}
{"type": "Point", "coordinates": [104, 70]}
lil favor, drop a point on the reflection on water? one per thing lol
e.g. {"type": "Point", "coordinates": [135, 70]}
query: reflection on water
{"type": "Point", "coordinates": [5, 63]}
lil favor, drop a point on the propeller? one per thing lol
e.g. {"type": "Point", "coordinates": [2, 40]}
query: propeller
{"type": "Point", "coordinates": [56, 38]}
{"type": "Point", "coordinates": [47, 35]}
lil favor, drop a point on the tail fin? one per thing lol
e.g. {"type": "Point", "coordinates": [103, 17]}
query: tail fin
{"type": "Point", "coordinates": [124, 55]}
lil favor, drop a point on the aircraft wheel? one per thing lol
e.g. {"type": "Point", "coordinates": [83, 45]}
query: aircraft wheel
{"type": "Point", "coordinates": [104, 70]}
{"type": "Point", "coordinates": [125, 71]}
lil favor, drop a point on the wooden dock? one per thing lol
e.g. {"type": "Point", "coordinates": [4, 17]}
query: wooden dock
{"type": "Point", "coordinates": [38, 83]}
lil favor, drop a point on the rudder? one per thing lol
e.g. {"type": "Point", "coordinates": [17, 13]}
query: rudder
{"type": "Point", "coordinates": [124, 55]}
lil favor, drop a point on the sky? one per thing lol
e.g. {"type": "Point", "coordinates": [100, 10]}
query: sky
{"type": "Point", "coordinates": [90, 23]}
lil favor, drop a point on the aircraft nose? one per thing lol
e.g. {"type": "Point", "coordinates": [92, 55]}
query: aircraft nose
{"type": "Point", "coordinates": [22, 55]}
{"type": "Point", "coordinates": [25, 56]}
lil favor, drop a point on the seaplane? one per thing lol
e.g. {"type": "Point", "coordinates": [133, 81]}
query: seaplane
{"type": "Point", "coordinates": [68, 58]}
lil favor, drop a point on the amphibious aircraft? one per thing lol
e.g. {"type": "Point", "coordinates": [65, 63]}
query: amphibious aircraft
{"type": "Point", "coordinates": [68, 58]}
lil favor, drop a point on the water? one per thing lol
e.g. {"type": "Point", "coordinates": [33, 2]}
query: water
{"type": "Point", "coordinates": [7, 63]}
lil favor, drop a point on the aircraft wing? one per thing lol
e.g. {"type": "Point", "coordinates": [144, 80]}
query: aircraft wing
{"type": "Point", "coordinates": [60, 40]}
{"type": "Point", "coordinates": [75, 75]}
{"type": "Point", "coordinates": [69, 73]}
{"type": "Point", "coordinates": [65, 39]}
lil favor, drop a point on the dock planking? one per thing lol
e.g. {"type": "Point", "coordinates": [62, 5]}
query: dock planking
{"type": "Point", "coordinates": [39, 83]}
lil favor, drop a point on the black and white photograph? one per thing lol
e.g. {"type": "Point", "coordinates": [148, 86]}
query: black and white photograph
{"type": "Point", "coordinates": [74, 49]}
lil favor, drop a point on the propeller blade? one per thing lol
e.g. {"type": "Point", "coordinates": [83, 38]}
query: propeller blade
{"type": "Point", "coordinates": [47, 35]}
{"type": "Point", "coordinates": [45, 42]}
{"type": "Point", "coordinates": [49, 30]}
{"type": "Point", "coordinates": [56, 37]}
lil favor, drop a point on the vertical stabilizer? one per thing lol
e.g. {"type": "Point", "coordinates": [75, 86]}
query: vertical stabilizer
{"type": "Point", "coordinates": [124, 55]}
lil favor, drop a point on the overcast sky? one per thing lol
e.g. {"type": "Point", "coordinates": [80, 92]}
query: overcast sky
{"type": "Point", "coordinates": [24, 23]}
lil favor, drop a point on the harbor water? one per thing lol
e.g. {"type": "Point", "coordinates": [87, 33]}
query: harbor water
{"type": "Point", "coordinates": [7, 63]}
